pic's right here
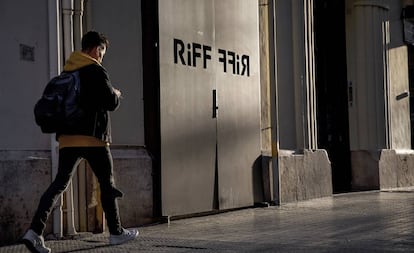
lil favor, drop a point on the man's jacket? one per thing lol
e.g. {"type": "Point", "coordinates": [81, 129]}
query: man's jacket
{"type": "Point", "coordinates": [97, 98]}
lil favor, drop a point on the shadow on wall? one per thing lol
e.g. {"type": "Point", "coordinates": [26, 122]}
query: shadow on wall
{"type": "Point", "coordinates": [262, 180]}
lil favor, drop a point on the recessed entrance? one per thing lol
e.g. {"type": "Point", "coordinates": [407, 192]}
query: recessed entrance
{"type": "Point", "coordinates": [332, 89]}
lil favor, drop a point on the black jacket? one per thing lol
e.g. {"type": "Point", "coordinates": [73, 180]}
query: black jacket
{"type": "Point", "coordinates": [97, 98]}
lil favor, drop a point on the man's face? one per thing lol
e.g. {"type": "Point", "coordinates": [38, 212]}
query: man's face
{"type": "Point", "coordinates": [98, 53]}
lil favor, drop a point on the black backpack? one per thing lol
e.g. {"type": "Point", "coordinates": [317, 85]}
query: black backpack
{"type": "Point", "coordinates": [58, 108]}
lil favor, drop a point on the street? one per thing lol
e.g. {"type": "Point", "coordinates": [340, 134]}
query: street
{"type": "Point", "coordinates": [355, 222]}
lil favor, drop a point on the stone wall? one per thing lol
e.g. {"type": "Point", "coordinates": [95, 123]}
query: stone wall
{"type": "Point", "coordinates": [384, 169]}
{"type": "Point", "coordinates": [25, 175]}
{"type": "Point", "coordinates": [396, 169]}
{"type": "Point", "coordinates": [133, 175]}
{"type": "Point", "coordinates": [305, 176]}
{"type": "Point", "coordinates": [365, 170]}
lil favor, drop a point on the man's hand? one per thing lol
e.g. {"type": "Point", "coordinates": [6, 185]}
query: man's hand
{"type": "Point", "coordinates": [117, 92]}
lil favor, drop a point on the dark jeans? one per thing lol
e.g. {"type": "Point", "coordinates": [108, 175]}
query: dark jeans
{"type": "Point", "coordinates": [100, 160]}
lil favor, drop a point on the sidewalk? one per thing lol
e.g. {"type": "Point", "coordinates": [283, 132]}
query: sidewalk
{"type": "Point", "coordinates": [355, 222]}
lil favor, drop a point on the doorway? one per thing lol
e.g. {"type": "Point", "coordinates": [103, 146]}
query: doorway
{"type": "Point", "coordinates": [332, 89]}
{"type": "Point", "coordinates": [202, 103]}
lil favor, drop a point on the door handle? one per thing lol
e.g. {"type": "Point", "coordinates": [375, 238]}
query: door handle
{"type": "Point", "coordinates": [215, 107]}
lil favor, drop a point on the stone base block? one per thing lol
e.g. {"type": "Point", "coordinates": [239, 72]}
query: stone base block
{"type": "Point", "coordinates": [396, 169]}
{"type": "Point", "coordinates": [305, 176]}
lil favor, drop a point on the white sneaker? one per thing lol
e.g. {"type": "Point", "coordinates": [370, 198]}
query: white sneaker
{"type": "Point", "coordinates": [127, 235]}
{"type": "Point", "coordinates": [34, 242]}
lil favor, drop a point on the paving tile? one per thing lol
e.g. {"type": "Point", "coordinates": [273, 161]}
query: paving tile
{"type": "Point", "coordinates": [367, 222]}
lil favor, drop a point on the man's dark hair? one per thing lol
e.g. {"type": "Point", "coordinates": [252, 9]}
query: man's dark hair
{"type": "Point", "coordinates": [93, 39]}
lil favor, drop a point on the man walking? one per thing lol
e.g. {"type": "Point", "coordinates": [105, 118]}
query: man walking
{"type": "Point", "coordinates": [89, 140]}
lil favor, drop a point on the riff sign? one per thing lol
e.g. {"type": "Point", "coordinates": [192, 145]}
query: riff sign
{"type": "Point", "coordinates": [188, 53]}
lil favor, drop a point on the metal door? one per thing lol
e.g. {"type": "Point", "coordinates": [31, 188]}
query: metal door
{"type": "Point", "coordinates": [188, 131]}
{"type": "Point", "coordinates": [208, 50]}
{"type": "Point", "coordinates": [238, 90]}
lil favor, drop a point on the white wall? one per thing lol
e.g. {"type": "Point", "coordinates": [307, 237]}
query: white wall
{"type": "Point", "coordinates": [121, 22]}
{"type": "Point", "coordinates": [285, 76]}
{"type": "Point", "coordinates": [294, 76]}
{"type": "Point", "coordinates": [22, 22]}
{"type": "Point", "coordinates": [399, 82]}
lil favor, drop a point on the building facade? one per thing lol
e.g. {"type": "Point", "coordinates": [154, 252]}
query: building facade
{"type": "Point", "coordinates": [227, 104]}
